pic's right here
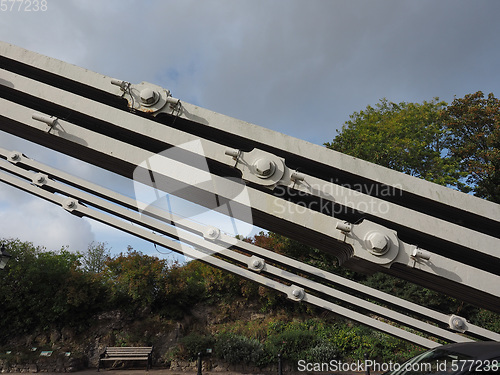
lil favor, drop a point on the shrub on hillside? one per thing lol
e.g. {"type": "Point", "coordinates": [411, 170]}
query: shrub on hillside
{"type": "Point", "coordinates": [292, 344]}
{"type": "Point", "coordinates": [193, 344]}
{"type": "Point", "coordinates": [236, 349]}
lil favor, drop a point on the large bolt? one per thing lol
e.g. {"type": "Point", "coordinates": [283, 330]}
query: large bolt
{"type": "Point", "coordinates": [211, 233]}
{"type": "Point", "coordinates": [70, 204]}
{"type": "Point", "coordinates": [298, 294]}
{"type": "Point", "coordinates": [40, 179]}
{"type": "Point", "coordinates": [378, 243]}
{"type": "Point", "coordinates": [148, 96]}
{"type": "Point", "coordinates": [14, 157]}
{"type": "Point", "coordinates": [264, 167]}
{"type": "Point", "coordinates": [256, 263]}
{"type": "Point", "coordinates": [458, 323]}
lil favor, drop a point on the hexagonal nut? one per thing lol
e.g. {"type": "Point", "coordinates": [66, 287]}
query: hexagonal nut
{"type": "Point", "coordinates": [378, 242]}
{"type": "Point", "coordinates": [211, 233]}
{"type": "Point", "coordinates": [149, 96]}
{"type": "Point", "coordinates": [14, 157]}
{"type": "Point", "coordinates": [296, 293]}
{"type": "Point", "coordinates": [40, 179]}
{"type": "Point", "coordinates": [264, 167]}
{"type": "Point", "coordinates": [70, 204]}
{"type": "Point", "coordinates": [256, 264]}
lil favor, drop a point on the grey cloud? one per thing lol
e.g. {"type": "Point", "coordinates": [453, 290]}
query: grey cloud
{"type": "Point", "coordinates": [40, 222]}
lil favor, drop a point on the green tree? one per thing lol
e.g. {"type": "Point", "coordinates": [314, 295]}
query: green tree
{"type": "Point", "coordinates": [41, 289]}
{"type": "Point", "coordinates": [136, 277]}
{"type": "Point", "coordinates": [474, 139]}
{"type": "Point", "coordinates": [94, 259]}
{"type": "Point", "coordinates": [407, 137]}
{"type": "Point", "coordinates": [437, 143]}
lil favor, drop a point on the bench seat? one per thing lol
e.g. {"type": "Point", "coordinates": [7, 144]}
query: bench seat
{"type": "Point", "coordinates": [114, 353]}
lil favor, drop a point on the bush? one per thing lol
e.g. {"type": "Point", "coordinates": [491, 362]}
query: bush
{"type": "Point", "coordinates": [292, 344]}
{"type": "Point", "coordinates": [235, 349]}
{"type": "Point", "coordinates": [43, 289]}
{"type": "Point", "coordinates": [322, 353]}
{"type": "Point", "coordinates": [193, 344]}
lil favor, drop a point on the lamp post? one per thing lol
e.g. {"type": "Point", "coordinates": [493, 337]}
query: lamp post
{"type": "Point", "coordinates": [4, 257]}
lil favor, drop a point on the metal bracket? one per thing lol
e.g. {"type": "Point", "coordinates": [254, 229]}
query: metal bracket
{"type": "Point", "coordinates": [258, 166]}
{"type": "Point", "coordinates": [147, 97]}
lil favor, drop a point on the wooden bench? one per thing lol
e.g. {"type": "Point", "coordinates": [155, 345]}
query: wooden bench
{"type": "Point", "coordinates": [113, 353]}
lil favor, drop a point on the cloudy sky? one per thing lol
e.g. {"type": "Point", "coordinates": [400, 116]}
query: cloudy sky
{"type": "Point", "coordinates": [298, 67]}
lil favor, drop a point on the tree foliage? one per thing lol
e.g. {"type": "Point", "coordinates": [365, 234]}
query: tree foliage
{"type": "Point", "coordinates": [473, 123]}
{"type": "Point", "coordinates": [443, 144]}
{"type": "Point", "coordinates": [407, 137]}
{"type": "Point", "coordinates": [456, 145]}
{"type": "Point", "coordinates": [136, 276]}
{"type": "Point", "coordinates": [43, 288]}
{"type": "Point", "coordinates": [93, 260]}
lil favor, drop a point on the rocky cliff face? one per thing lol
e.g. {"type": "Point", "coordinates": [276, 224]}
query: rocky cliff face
{"type": "Point", "coordinates": [71, 349]}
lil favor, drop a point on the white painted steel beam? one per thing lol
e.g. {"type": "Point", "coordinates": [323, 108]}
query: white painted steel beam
{"type": "Point", "coordinates": [219, 122]}
{"type": "Point", "coordinates": [104, 133]}
{"type": "Point", "coordinates": [155, 219]}
{"type": "Point", "coordinates": [326, 190]}
{"type": "Point", "coordinates": [308, 219]}
{"type": "Point", "coordinates": [72, 199]}
{"type": "Point", "coordinates": [75, 207]}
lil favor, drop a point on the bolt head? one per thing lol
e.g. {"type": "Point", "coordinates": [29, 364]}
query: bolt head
{"type": "Point", "coordinates": [148, 96]}
{"type": "Point", "coordinates": [378, 242]}
{"type": "Point", "coordinates": [264, 167]}
{"type": "Point", "coordinates": [14, 156]}
{"type": "Point", "coordinates": [212, 233]}
{"type": "Point", "coordinates": [256, 263]}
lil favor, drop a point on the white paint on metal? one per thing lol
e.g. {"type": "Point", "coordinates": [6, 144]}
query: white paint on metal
{"type": "Point", "coordinates": [421, 254]}
{"type": "Point", "coordinates": [277, 140]}
{"type": "Point", "coordinates": [252, 261]}
{"type": "Point", "coordinates": [279, 208]}
{"type": "Point", "coordinates": [256, 264]}
{"type": "Point", "coordinates": [293, 292]}
{"type": "Point", "coordinates": [370, 241]}
{"type": "Point", "coordinates": [323, 189]}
